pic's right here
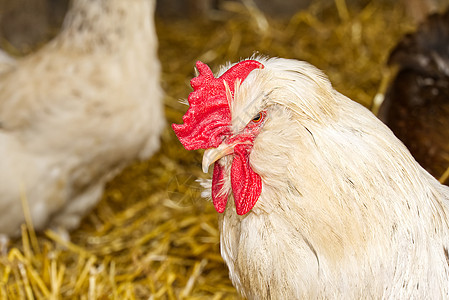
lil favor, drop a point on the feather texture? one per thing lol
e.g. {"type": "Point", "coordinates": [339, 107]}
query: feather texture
{"type": "Point", "coordinates": [345, 211]}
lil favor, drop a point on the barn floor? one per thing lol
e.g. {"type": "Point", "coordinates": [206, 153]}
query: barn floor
{"type": "Point", "coordinates": [152, 236]}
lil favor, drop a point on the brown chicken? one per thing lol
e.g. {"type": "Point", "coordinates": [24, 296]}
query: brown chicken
{"type": "Point", "coordinates": [318, 198]}
{"type": "Point", "coordinates": [416, 105]}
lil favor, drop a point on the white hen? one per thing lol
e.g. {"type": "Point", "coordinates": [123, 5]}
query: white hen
{"type": "Point", "coordinates": [77, 111]}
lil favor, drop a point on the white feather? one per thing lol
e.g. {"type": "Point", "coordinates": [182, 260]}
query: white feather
{"type": "Point", "coordinates": [6, 61]}
{"type": "Point", "coordinates": [345, 211]}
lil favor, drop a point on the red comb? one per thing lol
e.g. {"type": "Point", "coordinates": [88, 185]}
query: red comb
{"type": "Point", "coordinates": [208, 118]}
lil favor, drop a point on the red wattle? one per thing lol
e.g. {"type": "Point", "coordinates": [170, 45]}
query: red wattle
{"type": "Point", "coordinates": [207, 123]}
{"type": "Point", "coordinates": [246, 184]}
{"type": "Point", "coordinates": [217, 185]}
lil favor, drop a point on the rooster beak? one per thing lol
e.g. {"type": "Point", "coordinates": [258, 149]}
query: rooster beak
{"type": "Point", "coordinates": [213, 154]}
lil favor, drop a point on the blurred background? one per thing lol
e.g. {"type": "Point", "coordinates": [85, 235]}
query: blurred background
{"type": "Point", "coordinates": [152, 236]}
{"type": "Point", "coordinates": [26, 23]}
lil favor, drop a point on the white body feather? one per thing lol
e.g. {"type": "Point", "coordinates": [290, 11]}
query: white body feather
{"type": "Point", "coordinates": [345, 211]}
{"type": "Point", "coordinates": [77, 111]}
{"type": "Point", "coordinates": [6, 61]}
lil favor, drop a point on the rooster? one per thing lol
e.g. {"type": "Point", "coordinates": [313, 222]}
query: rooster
{"type": "Point", "coordinates": [318, 198]}
{"type": "Point", "coordinates": [76, 112]}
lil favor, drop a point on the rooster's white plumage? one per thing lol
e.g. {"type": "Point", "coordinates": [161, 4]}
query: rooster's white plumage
{"type": "Point", "coordinates": [343, 211]}
{"type": "Point", "coordinates": [77, 111]}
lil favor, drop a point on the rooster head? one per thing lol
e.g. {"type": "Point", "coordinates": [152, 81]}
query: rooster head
{"type": "Point", "coordinates": [208, 125]}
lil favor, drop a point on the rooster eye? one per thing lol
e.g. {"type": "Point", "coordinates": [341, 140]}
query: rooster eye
{"type": "Point", "coordinates": [257, 118]}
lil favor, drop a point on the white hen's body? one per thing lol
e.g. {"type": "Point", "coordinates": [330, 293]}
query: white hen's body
{"type": "Point", "coordinates": [345, 211]}
{"type": "Point", "coordinates": [76, 112]}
